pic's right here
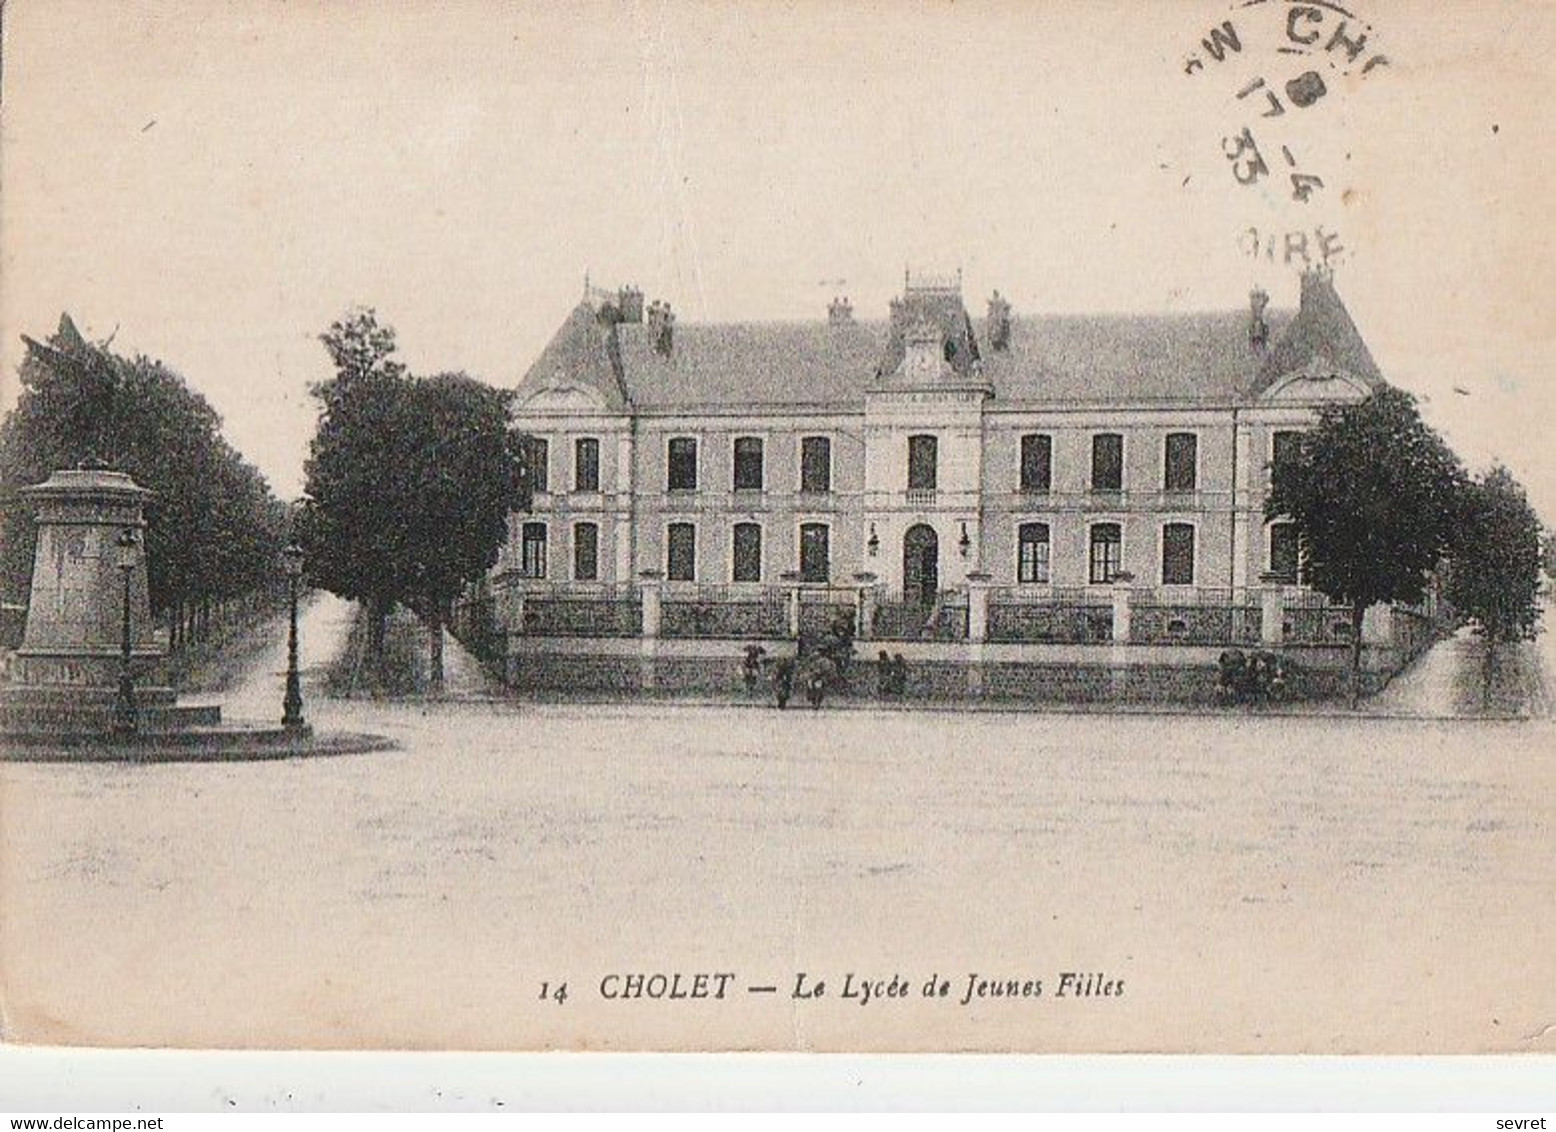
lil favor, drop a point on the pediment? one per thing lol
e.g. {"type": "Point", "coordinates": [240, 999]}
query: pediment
{"type": "Point", "coordinates": [563, 396]}
{"type": "Point", "coordinates": [1318, 381]}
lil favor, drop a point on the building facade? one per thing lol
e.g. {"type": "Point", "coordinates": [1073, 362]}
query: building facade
{"type": "Point", "coordinates": [1045, 456]}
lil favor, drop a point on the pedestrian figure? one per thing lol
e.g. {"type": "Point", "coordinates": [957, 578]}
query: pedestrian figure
{"type": "Point", "coordinates": [818, 674]}
{"type": "Point", "coordinates": [884, 672]}
{"type": "Point", "coordinates": [783, 680]}
{"type": "Point", "coordinates": [751, 666]}
{"type": "Point", "coordinates": [899, 676]}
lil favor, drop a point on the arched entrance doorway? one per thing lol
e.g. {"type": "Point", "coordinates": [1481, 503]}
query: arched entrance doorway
{"type": "Point", "coordinates": [920, 565]}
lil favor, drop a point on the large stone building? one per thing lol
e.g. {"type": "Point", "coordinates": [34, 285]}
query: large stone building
{"type": "Point", "coordinates": [916, 465]}
{"type": "Point", "coordinates": [1041, 450]}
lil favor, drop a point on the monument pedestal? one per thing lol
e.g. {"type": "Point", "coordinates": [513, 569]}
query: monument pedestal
{"type": "Point", "coordinates": [64, 677]}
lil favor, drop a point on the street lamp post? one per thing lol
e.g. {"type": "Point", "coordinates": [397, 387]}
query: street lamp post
{"type": "Point", "coordinates": [124, 720]}
{"type": "Point", "coordinates": [292, 705]}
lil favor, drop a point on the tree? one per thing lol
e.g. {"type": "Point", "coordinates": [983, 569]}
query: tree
{"type": "Point", "coordinates": [1494, 579]}
{"type": "Point", "coordinates": [466, 477]}
{"type": "Point", "coordinates": [410, 482]}
{"type": "Point", "coordinates": [355, 498]}
{"type": "Point", "coordinates": [1374, 492]}
{"type": "Point", "coordinates": [214, 529]}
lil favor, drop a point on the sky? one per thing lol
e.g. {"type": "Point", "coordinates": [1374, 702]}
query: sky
{"type": "Point", "coordinates": [213, 184]}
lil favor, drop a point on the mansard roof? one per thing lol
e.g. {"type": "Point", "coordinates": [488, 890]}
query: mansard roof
{"type": "Point", "coordinates": [1111, 359]}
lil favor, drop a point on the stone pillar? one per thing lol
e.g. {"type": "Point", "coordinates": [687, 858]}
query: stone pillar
{"type": "Point", "coordinates": [978, 586]}
{"type": "Point", "coordinates": [791, 579]}
{"type": "Point", "coordinates": [1272, 611]}
{"type": "Point", "coordinates": [651, 587]}
{"type": "Point", "coordinates": [866, 605]}
{"type": "Point", "coordinates": [1378, 625]}
{"type": "Point", "coordinates": [1123, 585]}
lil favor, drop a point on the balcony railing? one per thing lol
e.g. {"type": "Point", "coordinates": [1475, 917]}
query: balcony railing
{"type": "Point", "coordinates": [921, 497]}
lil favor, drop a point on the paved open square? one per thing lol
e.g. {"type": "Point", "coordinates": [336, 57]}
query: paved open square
{"type": "Point", "coordinates": [1241, 882]}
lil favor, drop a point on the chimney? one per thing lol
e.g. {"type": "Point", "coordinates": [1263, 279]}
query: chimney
{"type": "Point", "coordinates": [661, 327]}
{"type": "Point", "coordinates": [999, 322]}
{"type": "Point", "coordinates": [1258, 329]}
{"type": "Point", "coordinates": [1317, 285]}
{"type": "Point", "coordinates": [629, 302]}
{"type": "Point", "coordinates": [840, 311]}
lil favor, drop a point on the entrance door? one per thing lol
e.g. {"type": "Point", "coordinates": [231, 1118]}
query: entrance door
{"type": "Point", "coordinates": [920, 565]}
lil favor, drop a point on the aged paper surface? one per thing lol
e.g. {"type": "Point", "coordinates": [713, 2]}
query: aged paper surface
{"type": "Point", "coordinates": [213, 184]}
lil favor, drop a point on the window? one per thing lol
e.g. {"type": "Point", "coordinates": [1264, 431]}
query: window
{"type": "Point", "coordinates": [1107, 462]}
{"type": "Point", "coordinates": [815, 558]}
{"type": "Point", "coordinates": [1181, 472]}
{"type": "Point", "coordinates": [1107, 552]}
{"type": "Point", "coordinates": [682, 464]}
{"type": "Point", "coordinates": [536, 457]}
{"type": "Point", "coordinates": [681, 553]}
{"type": "Point", "coordinates": [532, 551]}
{"type": "Point", "coordinates": [1037, 459]}
{"type": "Point", "coordinates": [1285, 553]}
{"type": "Point", "coordinates": [586, 552]}
{"type": "Point", "coordinates": [586, 464]}
{"type": "Point", "coordinates": [1178, 554]}
{"type": "Point", "coordinates": [1284, 445]}
{"type": "Point", "coordinates": [1032, 553]}
{"type": "Point", "coordinates": [816, 464]}
{"type": "Point", "coordinates": [748, 553]}
{"type": "Point", "coordinates": [923, 458]}
{"type": "Point", "coordinates": [748, 463]}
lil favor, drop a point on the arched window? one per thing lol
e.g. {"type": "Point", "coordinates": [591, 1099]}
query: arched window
{"type": "Point", "coordinates": [1032, 550]}
{"type": "Point", "coordinates": [532, 550]}
{"type": "Point", "coordinates": [1107, 552]}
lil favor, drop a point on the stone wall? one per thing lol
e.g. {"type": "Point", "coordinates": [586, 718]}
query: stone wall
{"type": "Point", "coordinates": [935, 673]}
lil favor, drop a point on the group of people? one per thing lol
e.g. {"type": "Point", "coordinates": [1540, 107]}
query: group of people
{"type": "Point", "coordinates": [811, 675]}
{"type": "Point", "coordinates": [892, 674]}
{"type": "Point", "coordinates": [1256, 677]}
{"type": "Point", "coordinates": [814, 674]}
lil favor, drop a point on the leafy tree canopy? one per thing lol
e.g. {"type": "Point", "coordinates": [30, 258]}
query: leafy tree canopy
{"type": "Point", "coordinates": [214, 528]}
{"type": "Point", "coordinates": [410, 480]}
{"type": "Point", "coordinates": [1373, 491]}
{"type": "Point", "coordinates": [1495, 576]}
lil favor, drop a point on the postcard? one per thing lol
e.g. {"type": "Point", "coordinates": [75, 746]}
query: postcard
{"type": "Point", "coordinates": [792, 526]}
